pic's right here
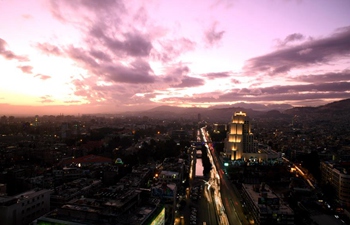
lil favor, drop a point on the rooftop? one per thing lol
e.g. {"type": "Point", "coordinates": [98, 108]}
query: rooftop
{"type": "Point", "coordinates": [266, 200]}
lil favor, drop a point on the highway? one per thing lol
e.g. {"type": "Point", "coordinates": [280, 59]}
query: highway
{"type": "Point", "coordinates": [227, 197]}
{"type": "Point", "coordinates": [220, 202]}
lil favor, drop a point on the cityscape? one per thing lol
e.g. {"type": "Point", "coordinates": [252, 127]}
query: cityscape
{"type": "Point", "coordinates": [164, 112]}
{"type": "Point", "coordinates": [266, 167]}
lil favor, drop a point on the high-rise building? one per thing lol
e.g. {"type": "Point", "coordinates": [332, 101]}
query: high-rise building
{"type": "Point", "coordinates": [338, 177]}
{"type": "Point", "coordinates": [239, 138]}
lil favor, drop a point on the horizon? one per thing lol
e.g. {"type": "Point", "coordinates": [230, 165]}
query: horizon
{"type": "Point", "coordinates": [109, 57]}
{"type": "Point", "coordinates": [240, 105]}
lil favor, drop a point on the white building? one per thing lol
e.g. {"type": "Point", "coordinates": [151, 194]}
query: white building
{"type": "Point", "coordinates": [22, 209]}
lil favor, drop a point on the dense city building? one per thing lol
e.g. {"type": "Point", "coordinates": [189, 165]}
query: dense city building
{"type": "Point", "coordinates": [138, 170]}
{"type": "Point", "coordinates": [265, 207]}
{"type": "Point", "coordinates": [337, 175]}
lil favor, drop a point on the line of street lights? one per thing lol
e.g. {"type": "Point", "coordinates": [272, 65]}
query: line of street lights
{"type": "Point", "coordinates": [214, 182]}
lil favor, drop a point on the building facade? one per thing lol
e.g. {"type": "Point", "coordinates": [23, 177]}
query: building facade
{"type": "Point", "coordinates": [25, 207]}
{"type": "Point", "coordinates": [337, 175]}
{"type": "Point", "coordinates": [265, 207]}
{"type": "Point", "coordinates": [239, 138]}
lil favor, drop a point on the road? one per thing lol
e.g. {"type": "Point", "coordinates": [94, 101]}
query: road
{"type": "Point", "coordinates": [230, 196]}
{"type": "Point", "coordinates": [198, 198]}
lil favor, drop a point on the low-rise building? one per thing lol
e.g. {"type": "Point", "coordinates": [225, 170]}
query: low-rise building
{"type": "Point", "coordinates": [265, 206]}
{"type": "Point", "coordinates": [25, 207]}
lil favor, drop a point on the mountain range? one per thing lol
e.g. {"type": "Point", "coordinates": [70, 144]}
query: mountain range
{"type": "Point", "coordinates": [224, 113]}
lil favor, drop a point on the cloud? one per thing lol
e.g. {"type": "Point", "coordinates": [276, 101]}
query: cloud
{"type": "Point", "coordinates": [43, 77]}
{"type": "Point", "coordinates": [66, 10]}
{"type": "Point", "coordinates": [312, 52]}
{"type": "Point", "coordinates": [217, 75]}
{"type": "Point", "coordinates": [27, 16]}
{"type": "Point", "coordinates": [174, 73]}
{"type": "Point", "coordinates": [26, 69]}
{"type": "Point", "coordinates": [137, 72]}
{"type": "Point", "coordinates": [171, 49]}
{"type": "Point", "coordinates": [134, 44]}
{"type": "Point", "coordinates": [82, 56]}
{"type": "Point", "coordinates": [322, 78]}
{"type": "Point", "coordinates": [294, 37]}
{"type": "Point", "coordinates": [49, 49]}
{"type": "Point", "coordinates": [7, 54]}
{"type": "Point", "coordinates": [114, 94]}
{"type": "Point", "coordinates": [100, 55]}
{"type": "Point", "coordinates": [72, 101]}
{"type": "Point", "coordinates": [298, 89]}
{"type": "Point", "coordinates": [234, 81]}
{"type": "Point", "coordinates": [189, 82]}
{"type": "Point", "coordinates": [46, 99]}
{"type": "Point", "coordinates": [290, 38]}
{"type": "Point", "coordinates": [116, 47]}
{"type": "Point", "coordinates": [213, 37]}
{"type": "Point", "coordinates": [274, 94]}
{"type": "Point", "coordinates": [130, 43]}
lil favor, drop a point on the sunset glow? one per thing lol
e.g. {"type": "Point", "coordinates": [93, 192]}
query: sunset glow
{"type": "Point", "coordinates": [88, 56]}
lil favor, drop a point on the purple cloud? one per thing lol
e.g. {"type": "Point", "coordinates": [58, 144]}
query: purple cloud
{"type": "Point", "coordinates": [132, 44]}
{"type": "Point", "coordinates": [42, 77]}
{"type": "Point", "coordinates": [324, 87]}
{"type": "Point", "coordinates": [234, 81]}
{"type": "Point", "coordinates": [7, 54]}
{"type": "Point", "coordinates": [26, 69]}
{"type": "Point", "coordinates": [175, 73]}
{"type": "Point", "coordinates": [138, 72]}
{"type": "Point", "coordinates": [81, 56]}
{"type": "Point", "coordinates": [290, 38]}
{"type": "Point", "coordinates": [49, 49]}
{"type": "Point", "coordinates": [306, 54]}
{"type": "Point", "coordinates": [189, 82]}
{"type": "Point", "coordinates": [322, 78]}
{"type": "Point", "coordinates": [213, 37]}
{"type": "Point", "coordinates": [64, 9]}
{"type": "Point", "coordinates": [218, 75]}
{"type": "Point", "coordinates": [312, 92]}
{"type": "Point", "coordinates": [171, 49]}
{"type": "Point", "coordinates": [100, 55]}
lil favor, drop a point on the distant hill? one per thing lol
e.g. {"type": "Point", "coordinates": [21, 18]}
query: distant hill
{"type": "Point", "coordinates": [255, 106]}
{"type": "Point", "coordinates": [224, 113]}
{"type": "Point", "coordinates": [338, 105]}
{"type": "Point", "coordinates": [211, 114]}
{"type": "Point", "coordinates": [342, 106]}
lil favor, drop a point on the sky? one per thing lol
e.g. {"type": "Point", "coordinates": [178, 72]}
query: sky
{"type": "Point", "coordinates": [88, 56]}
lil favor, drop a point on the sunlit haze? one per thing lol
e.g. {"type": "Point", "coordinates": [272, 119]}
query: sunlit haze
{"type": "Point", "coordinates": [88, 56]}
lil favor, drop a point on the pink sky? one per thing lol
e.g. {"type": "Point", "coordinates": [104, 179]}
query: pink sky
{"type": "Point", "coordinates": [88, 56]}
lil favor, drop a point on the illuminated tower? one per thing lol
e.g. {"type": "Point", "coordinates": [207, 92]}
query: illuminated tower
{"type": "Point", "coordinates": [239, 138]}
